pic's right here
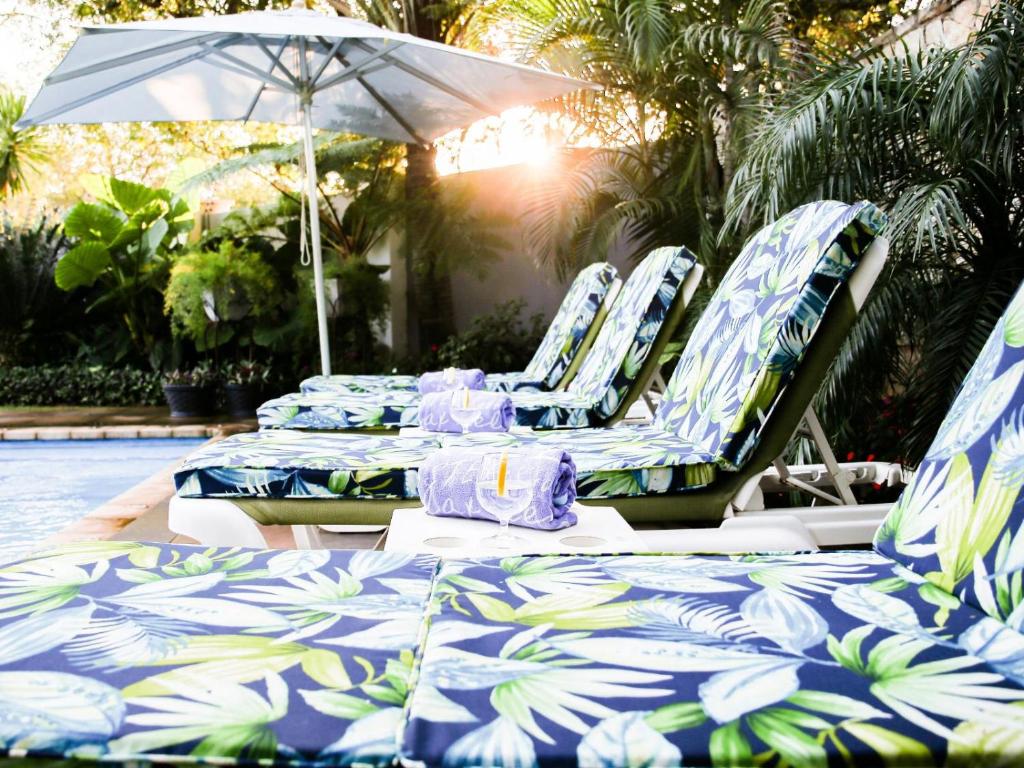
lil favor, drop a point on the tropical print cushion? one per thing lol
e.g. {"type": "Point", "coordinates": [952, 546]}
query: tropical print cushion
{"type": "Point", "coordinates": [606, 376]}
{"type": "Point", "coordinates": [754, 332]}
{"type": "Point", "coordinates": [801, 660]}
{"type": "Point", "coordinates": [557, 350]}
{"type": "Point", "coordinates": [119, 651]}
{"type": "Point", "coordinates": [960, 522]}
{"type": "Point", "coordinates": [296, 465]}
{"type": "Point", "coordinates": [627, 460]}
{"type": "Point", "coordinates": [610, 369]}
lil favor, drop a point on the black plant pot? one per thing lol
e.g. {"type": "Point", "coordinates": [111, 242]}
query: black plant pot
{"type": "Point", "coordinates": [243, 400]}
{"type": "Point", "coordinates": [188, 401]}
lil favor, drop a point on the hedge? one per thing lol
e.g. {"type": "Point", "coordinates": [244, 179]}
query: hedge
{"type": "Point", "coordinates": [86, 385]}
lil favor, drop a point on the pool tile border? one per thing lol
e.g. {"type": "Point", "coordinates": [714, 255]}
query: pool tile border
{"type": "Point", "coordinates": [108, 433]}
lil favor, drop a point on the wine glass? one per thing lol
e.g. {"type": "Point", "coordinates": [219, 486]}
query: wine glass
{"type": "Point", "coordinates": [462, 410]}
{"type": "Point", "coordinates": [503, 490]}
{"type": "Point", "coordinates": [448, 377]}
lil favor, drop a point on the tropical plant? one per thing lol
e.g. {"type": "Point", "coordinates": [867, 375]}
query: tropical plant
{"type": "Point", "coordinates": [214, 296]}
{"type": "Point", "coordinates": [21, 149]}
{"type": "Point", "coordinates": [497, 341]}
{"type": "Point", "coordinates": [681, 86]}
{"type": "Point", "coordinates": [36, 320]}
{"type": "Point", "coordinates": [937, 139]}
{"type": "Point", "coordinates": [125, 242]}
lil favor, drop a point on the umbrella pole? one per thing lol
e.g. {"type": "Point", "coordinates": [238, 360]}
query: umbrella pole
{"type": "Point", "coordinates": [314, 232]}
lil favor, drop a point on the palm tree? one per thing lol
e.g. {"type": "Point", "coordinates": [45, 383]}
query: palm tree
{"type": "Point", "coordinates": [937, 139]}
{"type": "Point", "coordinates": [20, 150]}
{"type": "Point", "coordinates": [681, 83]}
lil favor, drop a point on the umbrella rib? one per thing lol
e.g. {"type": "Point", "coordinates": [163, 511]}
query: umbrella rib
{"type": "Point", "coordinates": [200, 54]}
{"type": "Point", "coordinates": [429, 79]}
{"type": "Point", "coordinates": [354, 70]}
{"type": "Point", "coordinates": [382, 101]}
{"type": "Point", "coordinates": [130, 58]}
{"type": "Point", "coordinates": [263, 85]}
{"type": "Point", "coordinates": [327, 59]}
{"type": "Point", "coordinates": [249, 69]}
{"type": "Point", "coordinates": [276, 59]}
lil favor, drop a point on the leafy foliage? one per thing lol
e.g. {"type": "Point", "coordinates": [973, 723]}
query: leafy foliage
{"type": "Point", "coordinates": [78, 384]}
{"type": "Point", "coordinates": [212, 294]}
{"type": "Point", "coordinates": [20, 149]}
{"type": "Point", "coordinates": [682, 85]}
{"type": "Point", "coordinates": [937, 139]}
{"type": "Point", "coordinates": [500, 341]}
{"type": "Point", "coordinates": [124, 243]}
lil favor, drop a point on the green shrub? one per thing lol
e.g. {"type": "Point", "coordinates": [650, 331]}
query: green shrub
{"type": "Point", "coordinates": [83, 385]}
{"type": "Point", "coordinates": [498, 342]}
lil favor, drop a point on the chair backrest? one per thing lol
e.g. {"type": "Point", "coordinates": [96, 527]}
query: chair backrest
{"type": "Point", "coordinates": [751, 337]}
{"type": "Point", "coordinates": [569, 326]}
{"type": "Point", "coordinates": [617, 356]}
{"type": "Point", "coordinates": [959, 521]}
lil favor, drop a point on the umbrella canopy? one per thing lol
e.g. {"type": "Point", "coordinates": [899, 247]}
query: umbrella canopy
{"type": "Point", "coordinates": [293, 67]}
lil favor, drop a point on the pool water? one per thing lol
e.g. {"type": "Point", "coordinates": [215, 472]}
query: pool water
{"type": "Point", "coordinates": [45, 485]}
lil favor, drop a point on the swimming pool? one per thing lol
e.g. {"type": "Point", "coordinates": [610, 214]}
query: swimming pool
{"type": "Point", "coordinates": [45, 485]}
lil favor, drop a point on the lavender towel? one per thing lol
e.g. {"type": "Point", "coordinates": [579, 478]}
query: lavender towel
{"type": "Point", "coordinates": [449, 487]}
{"type": "Point", "coordinates": [451, 378]}
{"type": "Point", "coordinates": [494, 411]}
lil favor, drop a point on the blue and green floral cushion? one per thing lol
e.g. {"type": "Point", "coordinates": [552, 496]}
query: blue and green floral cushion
{"type": "Point", "coordinates": [287, 464]}
{"type": "Point", "coordinates": [557, 350]}
{"type": "Point", "coordinates": [609, 371]}
{"type": "Point", "coordinates": [120, 651]}
{"type": "Point", "coordinates": [751, 337]}
{"type": "Point", "coordinates": [622, 345]}
{"type": "Point", "coordinates": [960, 522]}
{"type": "Point", "coordinates": [838, 659]}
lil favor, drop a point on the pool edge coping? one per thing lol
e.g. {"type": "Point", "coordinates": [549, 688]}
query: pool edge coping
{"type": "Point", "coordinates": [113, 432]}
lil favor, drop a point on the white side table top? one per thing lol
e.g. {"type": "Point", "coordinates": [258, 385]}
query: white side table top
{"type": "Point", "coordinates": [598, 530]}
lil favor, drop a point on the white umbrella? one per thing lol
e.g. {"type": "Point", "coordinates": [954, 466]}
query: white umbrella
{"type": "Point", "coordinates": [295, 66]}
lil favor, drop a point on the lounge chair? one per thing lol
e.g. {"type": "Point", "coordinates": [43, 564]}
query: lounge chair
{"type": "Point", "coordinates": [553, 365]}
{"type": "Point", "coordinates": [910, 655]}
{"type": "Point", "coordinates": [616, 370]}
{"type": "Point", "coordinates": [727, 414]}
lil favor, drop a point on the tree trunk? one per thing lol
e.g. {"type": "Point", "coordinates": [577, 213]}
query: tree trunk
{"type": "Point", "coordinates": [430, 308]}
{"type": "Point", "coordinates": [429, 291]}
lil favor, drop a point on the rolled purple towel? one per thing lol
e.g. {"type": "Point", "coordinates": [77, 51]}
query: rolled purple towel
{"type": "Point", "coordinates": [537, 484]}
{"type": "Point", "coordinates": [485, 411]}
{"type": "Point", "coordinates": [451, 378]}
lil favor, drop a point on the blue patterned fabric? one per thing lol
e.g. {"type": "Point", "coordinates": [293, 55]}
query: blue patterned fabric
{"type": "Point", "coordinates": [753, 334]}
{"type": "Point", "coordinates": [960, 523]}
{"type": "Point", "coordinates": [554, 355]}
{"type": "Point", "coordinates": [607, 374]}
{"type": "Point", "coordinates": [119, 651]}
{"type": "Point", "coordinates": [802, 660]}
{"type": "Point", "coordinates": [288, 464]}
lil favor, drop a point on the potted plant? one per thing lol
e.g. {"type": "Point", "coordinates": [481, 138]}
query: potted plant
{"type": "Point", "coordinates": [191, 392]}
{"type": "Point", "coordinates": [245, 385]}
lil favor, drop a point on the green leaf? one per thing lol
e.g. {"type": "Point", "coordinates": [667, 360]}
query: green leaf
{"type": "Point", "coordinates": [81, 265]}
{"type": "Point", "coordinates": [834, 704]}
{"type": "Point", "coordinates": [795, 747]}
{"type": "Point", "coordinates": [91, 221]}
{"type": "Point", "coordinates": [337, 704]}
{"type": "Point", "coordinates": [492, 609]}
{"type": "Point", "coordinates": [895, 748]}
{"type": "Point", "coordinates": [145, 556]}
{"type": "Point", "coordinates": [326, 668]}
{"type": "Point", "coordinates": [729, 747]}
{"type": "Point", "coordinates": [131, 197]}
{"type": "Point", "coordinates": [676, 717]}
